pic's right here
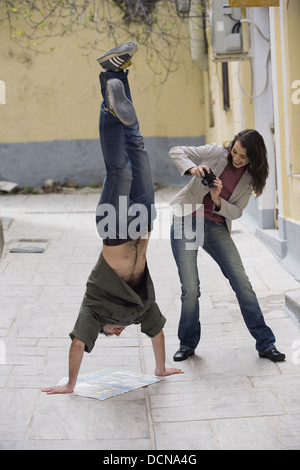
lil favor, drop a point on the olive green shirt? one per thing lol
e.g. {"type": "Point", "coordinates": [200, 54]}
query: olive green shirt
{"type": "Point", "coordinates": [109, 300]}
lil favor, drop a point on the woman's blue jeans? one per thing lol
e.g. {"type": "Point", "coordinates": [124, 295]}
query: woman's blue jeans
{"type": "Point", "coordinates": [220, 246]}
{"type": "Point", "coordinates": [125, 210]}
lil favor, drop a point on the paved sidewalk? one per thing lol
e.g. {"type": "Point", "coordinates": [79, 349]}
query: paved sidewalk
{"type": "Point", "coordinates": [227, 398]}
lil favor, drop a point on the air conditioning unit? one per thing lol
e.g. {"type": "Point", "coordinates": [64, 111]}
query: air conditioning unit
{"type": "Point", "coordinates": [226, 32]}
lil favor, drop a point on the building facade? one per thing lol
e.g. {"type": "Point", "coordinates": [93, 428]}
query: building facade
{"type": "Point", "coordinates": [239, 68]}
{"type": "Point", "coordinates": [49, 108]}
{"type": "Point", "coordinates": [256, 84]}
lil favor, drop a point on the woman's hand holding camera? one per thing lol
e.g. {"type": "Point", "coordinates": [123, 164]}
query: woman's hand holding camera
{"type": "Point", "coordinates": [198, 172]}
{"type": "Point", "coordinates": [215, 192]}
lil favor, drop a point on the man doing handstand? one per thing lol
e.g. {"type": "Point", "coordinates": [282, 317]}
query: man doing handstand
{"type": "Point", "coordinates": [119, 291]}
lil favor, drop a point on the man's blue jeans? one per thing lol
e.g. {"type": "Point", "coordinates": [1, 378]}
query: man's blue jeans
{"type": "Point", "coordinates": [220, 246]}
{"type": "Point", "coordinates": [126, 207]}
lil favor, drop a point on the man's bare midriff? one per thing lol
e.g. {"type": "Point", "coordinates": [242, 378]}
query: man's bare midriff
{"type": "Point", "coordinates": [128, 260]}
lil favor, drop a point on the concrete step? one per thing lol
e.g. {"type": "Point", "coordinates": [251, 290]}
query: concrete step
{"type": "Point", "coordinates": [292, 302]}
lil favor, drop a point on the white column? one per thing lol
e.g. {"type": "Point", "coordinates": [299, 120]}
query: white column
{"type": "Point", "coordinates": [263, 111]}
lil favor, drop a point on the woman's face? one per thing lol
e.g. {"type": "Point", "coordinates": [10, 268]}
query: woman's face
{"type": "Point", "coordinates": [239, 155]}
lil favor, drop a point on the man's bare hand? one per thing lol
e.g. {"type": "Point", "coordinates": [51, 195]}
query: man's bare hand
{"type": "Point", "coordinates": [169, 371]}
{"type": "Point", "coordinates": [58, 389]}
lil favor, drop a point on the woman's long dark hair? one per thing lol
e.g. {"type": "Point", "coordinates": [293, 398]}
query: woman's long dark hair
{"type": "Point", "coordinates": [258, 166]}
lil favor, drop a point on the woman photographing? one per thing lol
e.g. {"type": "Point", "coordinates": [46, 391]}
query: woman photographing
{"type": "Point", "coordinates": [237, 170]}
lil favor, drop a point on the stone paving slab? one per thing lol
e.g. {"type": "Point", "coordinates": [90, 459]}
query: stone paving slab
{"type": "Point", "coordinates": [227, 398]}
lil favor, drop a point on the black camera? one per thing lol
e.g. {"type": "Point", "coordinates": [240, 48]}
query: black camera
{"type": "Point", "coordinates": [208, 179]}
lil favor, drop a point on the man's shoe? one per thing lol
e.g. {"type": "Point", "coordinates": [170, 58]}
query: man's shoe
{"type": "Point", "coordinates": [118, 58]}
{"type": "Point", "coordinates": [274, 355]}
{"type": "Point", "coordinates": [183, 354]}
{"type": "Point", "coordinates": [117, 102]}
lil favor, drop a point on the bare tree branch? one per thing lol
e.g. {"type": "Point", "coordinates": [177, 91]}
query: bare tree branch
{"type": "Point", "coordinates": [152, 23]}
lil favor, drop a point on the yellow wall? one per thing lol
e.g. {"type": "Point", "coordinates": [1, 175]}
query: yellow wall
{"type": "Point", "coordinates": [229, 123]}
{"type": "Point", "coordinates": [56, 95]}
{"type": "Point", "coordinates": [293, 38]}
{"type": "Point", "coordinates": [241, 114]}
{"type": "Point", "coordinates": [289, 112]}
{"type": "Point", "coordinates": [226, 124]}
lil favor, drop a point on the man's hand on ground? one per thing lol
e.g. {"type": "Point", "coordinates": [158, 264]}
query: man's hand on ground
{"type": "Point", "coordinates": [169, 371]}
{"type": "Point", "coordinates": [58, 389]}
